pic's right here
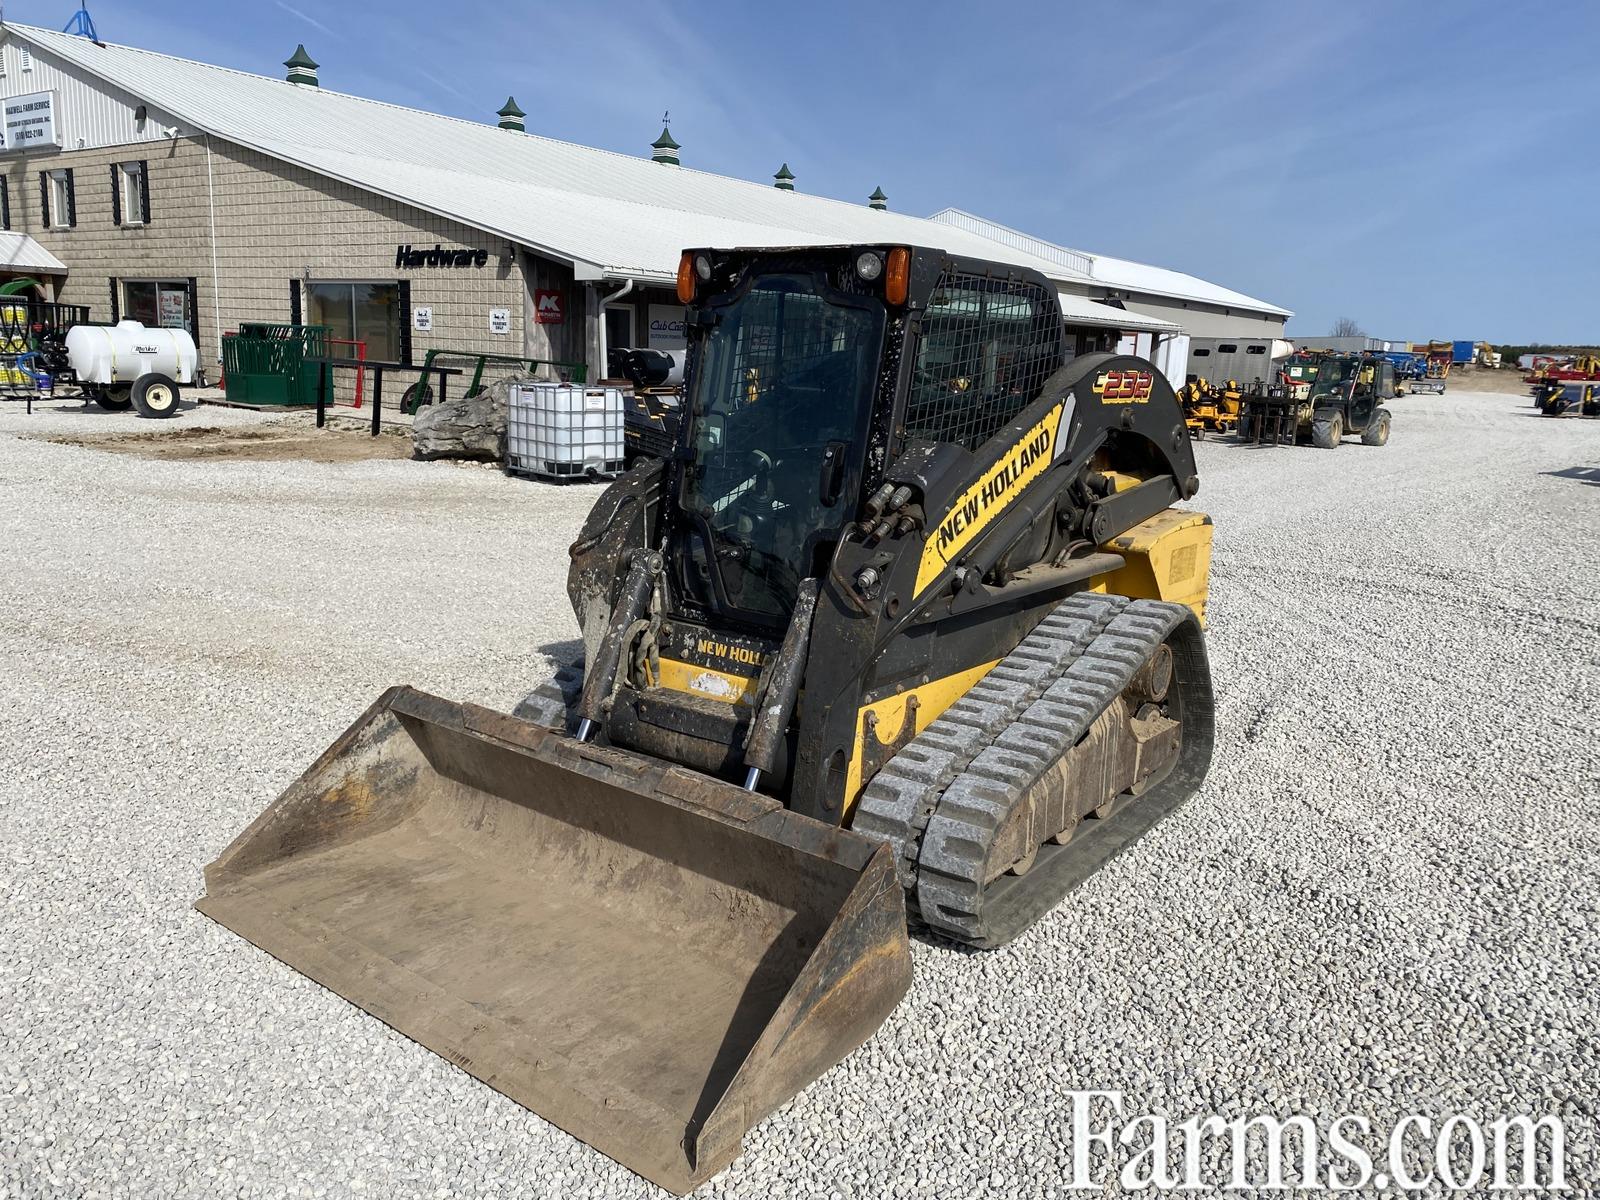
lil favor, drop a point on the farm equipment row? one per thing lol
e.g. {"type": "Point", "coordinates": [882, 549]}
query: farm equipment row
{"type": "Point", "coordinates": [1319, 398]}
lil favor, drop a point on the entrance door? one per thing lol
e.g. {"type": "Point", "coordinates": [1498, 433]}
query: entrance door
{"type": "Point", "coordinates": [619, 327]}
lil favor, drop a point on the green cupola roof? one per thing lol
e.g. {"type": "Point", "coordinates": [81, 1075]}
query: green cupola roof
{"type": "Point", "coordinates": [511, 116]}
{"type": "Point", "coordinates": [664, 149]}
{"type": "Point", "coordinates": [301, 67]}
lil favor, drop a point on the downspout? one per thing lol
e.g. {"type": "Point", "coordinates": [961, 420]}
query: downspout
{"type": "Point", "coordinates": [216, 291]}
{"type": "Point", "coordinates": [600, 332]}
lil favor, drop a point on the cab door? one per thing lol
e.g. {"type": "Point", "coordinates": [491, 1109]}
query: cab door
{"type": "Point", "coordinates": [1363, 396]}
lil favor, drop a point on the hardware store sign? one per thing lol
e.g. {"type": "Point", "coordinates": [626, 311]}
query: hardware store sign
{"type": "Point", "coordinates": [30, 122]}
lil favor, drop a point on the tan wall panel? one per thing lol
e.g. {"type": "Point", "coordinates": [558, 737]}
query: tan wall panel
{"type": "Point", "coordinates": [274, 222]}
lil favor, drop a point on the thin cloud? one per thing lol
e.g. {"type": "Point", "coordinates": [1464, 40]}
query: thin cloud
{"type": "Point", "coordinates": [444, 86]}
{"type": "Point", "coordinates": [306, 17]}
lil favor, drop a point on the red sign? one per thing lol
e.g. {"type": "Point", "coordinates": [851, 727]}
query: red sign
{"type": "Point", "coordinates": [547, 308]}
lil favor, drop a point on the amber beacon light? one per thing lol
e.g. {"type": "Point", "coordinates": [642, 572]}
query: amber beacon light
{"type": "Point", "coordinates": [896, 279]}
{"type": "Point", "coordinates": [686, 278]}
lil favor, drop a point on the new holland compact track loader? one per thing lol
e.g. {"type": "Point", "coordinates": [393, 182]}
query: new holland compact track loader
{"type": "Point", "coordinates": [908, 624]}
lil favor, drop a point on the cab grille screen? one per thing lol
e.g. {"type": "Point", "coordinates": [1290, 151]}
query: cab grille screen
{"type": "Point", "coordinates": [986, 349]}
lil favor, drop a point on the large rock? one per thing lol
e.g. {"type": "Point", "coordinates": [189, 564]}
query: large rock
{"type": "Point", "coordinates": [473, 427]}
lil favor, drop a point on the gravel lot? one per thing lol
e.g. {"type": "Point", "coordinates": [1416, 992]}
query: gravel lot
{"type": "Point", "coordinates": [1383, 901]}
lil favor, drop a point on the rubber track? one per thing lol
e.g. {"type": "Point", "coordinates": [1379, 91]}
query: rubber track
{"type": "Point", "coordinates": [899, 800]}
{"type": "Point", "coordinates": [554, 704]}
{"type": "Point", "coordinates": [953, 854]}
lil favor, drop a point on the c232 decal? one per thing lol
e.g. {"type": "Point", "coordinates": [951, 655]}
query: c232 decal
{"type": "Point", "coordinates": [1124, 387]}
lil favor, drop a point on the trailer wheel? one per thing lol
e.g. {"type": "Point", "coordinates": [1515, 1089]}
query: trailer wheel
{"type": "Point", "coordinates": [415, 396]}
{"type": "Point", "coordinates": [155, 395]}
{"type": "Point", "coordinates": [114, 397]}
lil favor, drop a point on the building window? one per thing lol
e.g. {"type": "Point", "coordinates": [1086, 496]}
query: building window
{"type": "Point", "coordinates": [130, 193]}
{"type": "Point", "coordinates": [58, 198]}
{"type": "Point", "coordinates": [163, 303]}
{"type": "Point", "coordinates": [361, 312]}
{"type": "Point", "coordinates": [5, 202]}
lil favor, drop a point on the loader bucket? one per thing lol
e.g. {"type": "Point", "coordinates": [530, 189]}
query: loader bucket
{"type": "Point", "coordinates": [649, 958]}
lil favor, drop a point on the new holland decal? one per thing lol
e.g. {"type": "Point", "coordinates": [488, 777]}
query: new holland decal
{"type": "Point", "coordinates": [986, 499]}
{"type": "Point", "coordinates": [1124, 387]}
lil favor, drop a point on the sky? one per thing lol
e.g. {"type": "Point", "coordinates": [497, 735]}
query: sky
{"type": "Point", "coordinates": [1429, 170]}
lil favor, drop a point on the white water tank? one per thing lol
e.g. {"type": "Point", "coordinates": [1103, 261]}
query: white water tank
{"type": "Point", "coordinates": [124, 352]}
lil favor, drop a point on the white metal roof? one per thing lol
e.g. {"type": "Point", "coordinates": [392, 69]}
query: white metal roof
{"type": "Point", "coordinates": [610, 214]}
{"type": "Point", "coordinates": [19, 252]}
{"type": "Point", "coordinates": [1102, 269]}
{"type": "Point", "coordinates": [1080, 310]}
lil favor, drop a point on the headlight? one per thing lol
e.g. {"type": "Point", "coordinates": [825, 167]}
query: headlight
{"type": "Point", "coordinates": [702, 267]}
{"type": "Point", "coordinates": [869, 266]}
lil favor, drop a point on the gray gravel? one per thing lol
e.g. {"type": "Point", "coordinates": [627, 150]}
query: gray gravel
{"type": "Point", "coordinates": [1384, 899]}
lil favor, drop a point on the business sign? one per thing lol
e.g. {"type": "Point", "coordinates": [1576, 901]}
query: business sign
{"type": "Point", "coordinates": [547, 308]}
{"type": "Point", "coordinates": [30, 122]}
{"type": "Point", "coordinates": [422, 319]}
{"type": "Point", "coordinates": [172, 308]}
{"type": "Point", "coordinates": [666, 327]}
{"type": "Point", "coordinates": [439, 256]}
{"type": "Point", "coordinates": [499, 320]}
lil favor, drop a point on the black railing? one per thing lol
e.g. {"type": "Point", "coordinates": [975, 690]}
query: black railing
{"type": "Point", "coordinates": [378, 368]}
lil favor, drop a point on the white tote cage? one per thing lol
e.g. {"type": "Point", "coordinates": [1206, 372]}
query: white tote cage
{"type": "Point", "coordinates": [564, 431]}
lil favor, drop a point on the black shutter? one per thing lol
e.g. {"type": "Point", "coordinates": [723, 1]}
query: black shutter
{"type": "Point", "coordinates": [116, 306]}
{"type": "Point", "coordinates": [294, 302]}
{"type": "Point", "coordinates": [116, 194]}
{"type": "Point", "coordinates": [405, 321]}
{"type": "Point", "coordinates": [144, 188]}
{"type": "Point", "coordinates": [72, 202]}
{"type": "Point", "coordinates": [44, 199]}
{"type": "Point", "coordinates": [192, 299]}
{"type": "Point", "coordinates": [5, 202]}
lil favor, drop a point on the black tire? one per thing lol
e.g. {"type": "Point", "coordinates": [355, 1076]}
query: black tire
{"type": "Point", "coordinates": [114, 397]}
{"type": "Point", "coordinates": [415, 396]}
{"type": "Point", "coordinates": [1377, 431]}
{"type": "Point", "coordinates": [1327, 431]}
{"type": "Point", "coordinates": [155, 395]}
